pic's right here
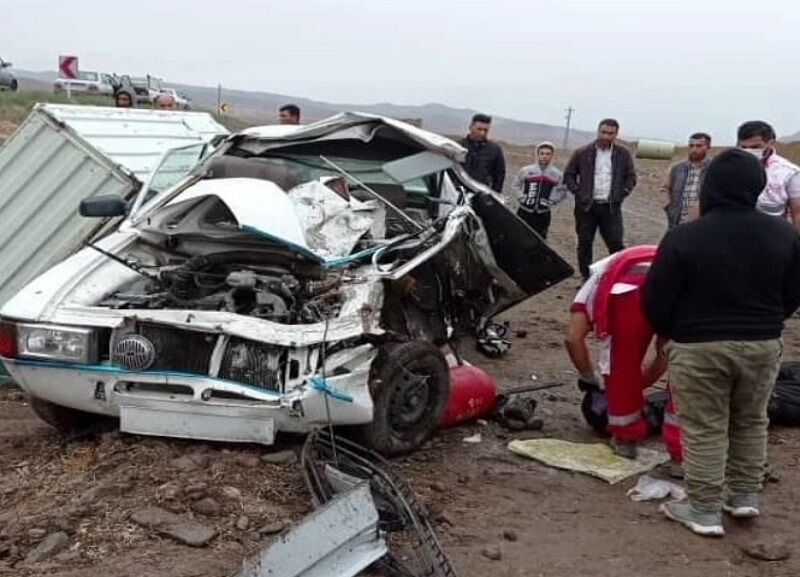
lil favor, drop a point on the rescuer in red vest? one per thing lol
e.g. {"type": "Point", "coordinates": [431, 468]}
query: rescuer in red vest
{"type": "Point", "coordinates": [609, 303]}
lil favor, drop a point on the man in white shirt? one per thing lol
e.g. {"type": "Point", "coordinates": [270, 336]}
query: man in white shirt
{"type": "Point", "coordinates": [600, 175]}
{"type": "Point", "coordinates": [781, 196]}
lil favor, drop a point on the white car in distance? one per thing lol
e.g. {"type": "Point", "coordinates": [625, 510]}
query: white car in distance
{"type": "Point", "coordinates": [90, 82]}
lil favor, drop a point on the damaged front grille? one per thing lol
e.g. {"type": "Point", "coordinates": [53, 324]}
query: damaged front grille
{"type": "Point", "coordinates": [179, 349]}
{"type": "Point", "coordinates": [253, 364]}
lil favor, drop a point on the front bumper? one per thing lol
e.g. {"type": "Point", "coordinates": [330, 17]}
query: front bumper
{"type": "Point", "coordinates": [200, 407]}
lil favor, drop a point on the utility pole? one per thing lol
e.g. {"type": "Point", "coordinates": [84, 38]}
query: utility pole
{"type": "Point", "coordinates": [570, 110]}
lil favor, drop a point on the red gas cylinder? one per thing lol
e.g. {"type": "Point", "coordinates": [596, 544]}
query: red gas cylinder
{"type": "Point", "coordinates": [473, 394]}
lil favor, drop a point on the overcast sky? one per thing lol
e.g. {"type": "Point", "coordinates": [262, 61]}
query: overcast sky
{"type": "Point", "coordinates": [663, 68]}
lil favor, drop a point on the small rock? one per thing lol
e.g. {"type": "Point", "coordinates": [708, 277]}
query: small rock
{"type": "Point", "coordinates": [510, 535]}
{"type": "Point", "coordinates": [231, 493]}
{"type": "Point", "coordinates": [521, 334]}
{"type": "Point", "coordinates": [272, 528]}
{"type": "Point", "coordinates": [102, 492]}
{"type": "Point", "coordinates": [68, 556]}
{"type": "Point", "coordinates": [492, 552]}
{"type": "Point", "coordinates": [243, 523]}
{"type": "Point", "coordinates": [249, 461]}
{"type": "Point", "coordinates": [195, 491]}
{"type": "Point", "coordinates": [438, 487]}
{"type": "Point", "coordinates": [474, 439]}
{"type": "Point", "coordinates": [174, 526]}
{"type": "Point", "coordinates": [171, 492]}
{"type": "Point", "coordinates": [443, 519]}
{"type": "Point", "coordinates": [111, 436]}
{"type": "Point", "coordinates": [764, 551]}
{"type": "Point", "coordinates": [37, 533]}
{"type": "Point", "coordinates": [188, 532]}
{"type": "Point", "coordinates": [190, 462]}
{"type": "Point", "coordinates": [207, 506]}
{"type": "Point", "coordinates": [53, 544]}
{"type": "Point", "coordinates": [280, 458]}
{"type": "Point", "coordinates": [772, 475]}
{"type": "Point", "coordinates": [154, 516]}
{"type": "Point", "coordinates": [534, 424]}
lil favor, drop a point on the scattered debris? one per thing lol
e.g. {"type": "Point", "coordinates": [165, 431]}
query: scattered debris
{"type": "Point", "coordinates": [53, 544]}
{"type": "Point", "coordinates": [516, 413]}
{"type": "Point", "coordinates": [174, 526]}
{"type": "Point", "coordinates": [474, 439]}
{"type": "Point", "coordinates": [333, 465]}
{"type": "Point", "coordinates": [492, 552]}
{"type": "Point", "coordinates": [311, 549]}
{"type": "Point", "coordinates": [649, 489]}
{"type": "Point", "coordinates": [764, 551]}
{"type": "Point", "coordinates": [280, 458]}
{"type": "Point", "coordinates": [438, 487]}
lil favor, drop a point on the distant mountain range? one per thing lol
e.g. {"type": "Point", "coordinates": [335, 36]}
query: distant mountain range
{"type": "Point", "coordinates": [262, 108]}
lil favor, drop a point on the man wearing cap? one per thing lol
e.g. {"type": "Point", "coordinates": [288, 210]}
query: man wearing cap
{"type": "Point", "coordinates": [540, 188]}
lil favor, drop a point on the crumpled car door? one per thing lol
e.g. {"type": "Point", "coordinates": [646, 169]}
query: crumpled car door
{"type": "Point", "coordinates": [518, 250]}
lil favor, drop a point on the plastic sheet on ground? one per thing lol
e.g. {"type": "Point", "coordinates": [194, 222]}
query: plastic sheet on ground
{"type": "Point", "coordinates": [594, 459]}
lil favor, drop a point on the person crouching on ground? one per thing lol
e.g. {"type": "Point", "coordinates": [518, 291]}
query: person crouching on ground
{"type": "Point", "coordinates": [540, 188]}
{"type": "Point", "coordinates": [610, 304]}
{"type": "Point", "coordinates": [720, 289]}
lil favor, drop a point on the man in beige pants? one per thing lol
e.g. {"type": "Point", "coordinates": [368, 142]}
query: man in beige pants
{"type": "Point", "coordinates": [720, 289]}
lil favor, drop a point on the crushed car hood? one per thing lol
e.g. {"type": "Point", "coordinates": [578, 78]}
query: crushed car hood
{"type": "Point", "coordinates": [355, 125]}
{"type": "Point", "coordinates": [260, 208]}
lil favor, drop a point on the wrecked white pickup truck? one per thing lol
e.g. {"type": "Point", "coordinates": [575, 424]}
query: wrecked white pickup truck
{"type": "Point", "coordinates": [295, 278]}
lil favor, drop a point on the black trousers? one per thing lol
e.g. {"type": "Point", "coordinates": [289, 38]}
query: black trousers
{"type": "Point", "coordinates": [538, 221]}
{"type": "Point", "coordinates": [609, 220]}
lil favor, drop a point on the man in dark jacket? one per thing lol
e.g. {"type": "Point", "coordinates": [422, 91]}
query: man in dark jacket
{"type": "Point", "coordinates": [720, 288]}
{"type": "Point", "coordinates": [600, 175]}
{"type": "Point", "coordinates": [485, 162]}
{"type": "Point", "coordinates": [682, 188]}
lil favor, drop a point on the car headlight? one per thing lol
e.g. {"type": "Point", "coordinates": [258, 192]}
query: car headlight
{"type": "Point", "coordinates": [55, 343]}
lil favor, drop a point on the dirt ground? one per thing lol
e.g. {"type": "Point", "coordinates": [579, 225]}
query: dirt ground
{"type": "Point", "coordinates": [565, 524]}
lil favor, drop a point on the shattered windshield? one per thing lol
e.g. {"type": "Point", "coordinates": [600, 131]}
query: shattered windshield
{"type": "Point", "coordinates": [173, 166]}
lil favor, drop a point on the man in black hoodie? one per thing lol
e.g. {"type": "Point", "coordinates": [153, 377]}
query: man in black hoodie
{"type": "Point", "coordinates": [720, 288]}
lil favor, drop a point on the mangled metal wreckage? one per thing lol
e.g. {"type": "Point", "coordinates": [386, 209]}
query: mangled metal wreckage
{"type": "Point", "coordinates": [295, 277]}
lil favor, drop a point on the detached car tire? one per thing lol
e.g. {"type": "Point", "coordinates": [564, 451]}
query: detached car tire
{"type": "Point", "coordinates": [65, 420]}
{"type": "Point", "coordinates": [410, 387]}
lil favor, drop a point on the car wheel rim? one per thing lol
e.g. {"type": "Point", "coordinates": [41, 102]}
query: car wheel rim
{"type": "Point", "coordinates": [410, 400]}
